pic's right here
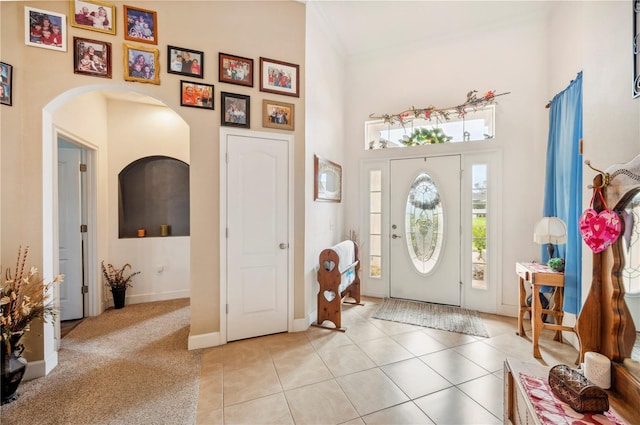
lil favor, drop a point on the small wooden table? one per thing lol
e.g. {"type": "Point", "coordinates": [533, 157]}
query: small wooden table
{"type": "Point", "coordinates": [540, 275]}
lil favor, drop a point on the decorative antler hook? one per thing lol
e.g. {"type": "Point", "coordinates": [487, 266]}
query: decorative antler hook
{"type": "Point", "coordinates": [604, 176]}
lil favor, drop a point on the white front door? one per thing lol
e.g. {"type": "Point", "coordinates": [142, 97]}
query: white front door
{"type": "Point", "coordinates": [257, 198]}
{"type": "Point", "coordinates": [70, 237]}
{"type": "Point", "coordinates": [425, 229]}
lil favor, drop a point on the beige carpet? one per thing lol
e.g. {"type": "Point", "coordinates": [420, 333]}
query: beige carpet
{"type": "Point", "coordinates": [436, 316]}
{"type": "Point", "coordinates": [127, 366]}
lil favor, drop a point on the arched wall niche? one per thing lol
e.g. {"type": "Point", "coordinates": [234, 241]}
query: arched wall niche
{"type": "Point", "coordinates": [153, 198]}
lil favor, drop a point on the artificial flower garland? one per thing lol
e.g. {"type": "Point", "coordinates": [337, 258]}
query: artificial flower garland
{"type": "Point", "coordinates": [473, 102]}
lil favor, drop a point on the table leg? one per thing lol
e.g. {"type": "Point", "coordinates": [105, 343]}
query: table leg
{"type": "Point", "coordinates": [558, 300]}
{"type": "Point", "coordinates": [523, 306]}
{"type": "Point", "coordinates": [536, 319]}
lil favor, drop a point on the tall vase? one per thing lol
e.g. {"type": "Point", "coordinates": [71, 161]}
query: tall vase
{"type": "Point", "coordinates": [12, 368]}
{"type": "Point", "coordinates": [118, 296]}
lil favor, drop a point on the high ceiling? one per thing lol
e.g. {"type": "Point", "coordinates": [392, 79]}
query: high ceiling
{"type": "Point", "coordinates": [360, 27]}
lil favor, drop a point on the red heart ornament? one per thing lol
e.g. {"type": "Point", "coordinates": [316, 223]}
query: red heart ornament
{"type": "Point", "coordinates": [599, 230]}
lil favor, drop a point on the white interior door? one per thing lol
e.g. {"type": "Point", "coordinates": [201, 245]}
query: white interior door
{"type": "Point", "coordinates": [425, 229]}
{"type": "Point", "coordinates": [70, 237]}
{"type": "Point", "coordinates": [257, 236]}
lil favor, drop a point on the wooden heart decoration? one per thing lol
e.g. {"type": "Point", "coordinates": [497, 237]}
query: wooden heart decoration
{"type": "Point", "coordinates": [329, 295]}
{"type": "Point", "coordinates": [599, 230]}
{"type": "Point", "coordinates": [329, 265]}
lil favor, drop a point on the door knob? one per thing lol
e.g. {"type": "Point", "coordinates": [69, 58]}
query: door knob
{"type": "Point", "coordinates": [284, 245]}
{"type": "Point", "coordinates": [394, 236]}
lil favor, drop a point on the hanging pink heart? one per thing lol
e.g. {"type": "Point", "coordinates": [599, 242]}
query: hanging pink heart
{"type": "Point", "coordinates": [599, 230]}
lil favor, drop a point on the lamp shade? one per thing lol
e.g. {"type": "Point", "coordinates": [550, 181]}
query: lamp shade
{"type": "Point", "coordinates": [551, 230]}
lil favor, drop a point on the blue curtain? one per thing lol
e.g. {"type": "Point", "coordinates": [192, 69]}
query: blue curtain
{"type": "Point", "coordinates": [563, 185]}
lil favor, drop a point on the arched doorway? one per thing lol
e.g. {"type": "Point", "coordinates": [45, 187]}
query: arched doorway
{"type": "Point", "coordinates": [91, 117]}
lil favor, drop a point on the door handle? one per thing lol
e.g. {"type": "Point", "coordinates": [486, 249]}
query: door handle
{"type": "Point", "coordinates": [284, 245]}
{"type": "Point", "coordinates": [394, 236]}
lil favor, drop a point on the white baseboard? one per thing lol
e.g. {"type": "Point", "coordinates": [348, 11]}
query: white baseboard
{"type": "Point", "coordinates": [40, 368]}
{"type": "Point", "coordinates": [301, 325]}
{"type": "Point", "coordinates": [376, 294]}
{"type": "Point", "coordinates": [204, 341]}
{"type": "Point", "coordinates": [147, 298]}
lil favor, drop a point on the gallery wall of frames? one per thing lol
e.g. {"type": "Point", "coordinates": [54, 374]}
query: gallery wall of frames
{"type": "Point", "coordinates": [141, 59]}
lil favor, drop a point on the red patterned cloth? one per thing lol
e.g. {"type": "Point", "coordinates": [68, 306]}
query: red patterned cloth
{"type": "Point", "coordinates": [553, 411]}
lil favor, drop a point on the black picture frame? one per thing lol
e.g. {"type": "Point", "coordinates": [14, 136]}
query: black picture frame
{"type": "Point", "coordinates": [235, 70]}
{"type": "Point", "coordinates": [196, 94]}
{"type": "Point", "coordinates": [6, 82]}
{"type": "Point", "coordinates": [98, 54]}
{"type": "Point", "coordinates": [235, 110]}
{"type": "Point", "coordinates": [186, 68]}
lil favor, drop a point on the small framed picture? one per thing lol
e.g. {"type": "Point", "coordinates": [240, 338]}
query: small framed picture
{"type": "Point", "coordinates": [91, 57]}
{"type": "Point", "coordinates": [45, 29]}
{"type": "Point", "coordinates": [235, 110]}
{"type": "Point", "coordinates": [235, 70]}
{"type": "Point", "coordinates": [197, 95]}
{"type": "Point", "coordinates": [185, 61]}
{"type": "Point", "coordinates": [277, 114]}
{"type": "Point", "coordinates": [93, 15]}
{"type": "Point", "coordinates": [141, 25]}
{"type": "Point", "coordinates": [6, 83]}
{"type": "Point", "coordinates": [279, 77]}
{"type": "Point", "coordinates": [327, 184]}
{"type": "Point", "coordinates": [141, 64]}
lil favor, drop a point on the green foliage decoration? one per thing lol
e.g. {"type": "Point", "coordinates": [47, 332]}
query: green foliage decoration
{"type": "Point", "coordinates": [425, 136]}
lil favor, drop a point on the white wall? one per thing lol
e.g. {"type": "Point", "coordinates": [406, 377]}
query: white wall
{"type": "Point", "coordinates": [512, 59]}
{"type": "Point", "coordinates": [122, 132]}
{"type": "Point", "coordinates": [324, 137]}
{"type": "Point", "coordinates": [136, 131]}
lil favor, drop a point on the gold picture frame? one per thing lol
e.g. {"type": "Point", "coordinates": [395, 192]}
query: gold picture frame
{"type": "Point", "coordinates": [137, 59]}
{"type": "Point", "coordinates": [280, 115]}
{"type": "Point", "coordinates": [93, 15]}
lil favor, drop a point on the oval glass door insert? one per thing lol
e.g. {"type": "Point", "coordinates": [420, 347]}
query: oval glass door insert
{"type": "Point", "coordinates": [424, 223]}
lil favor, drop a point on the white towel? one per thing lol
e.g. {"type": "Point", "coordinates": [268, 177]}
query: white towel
{"type": "Point", "coordinates": [346, 254]}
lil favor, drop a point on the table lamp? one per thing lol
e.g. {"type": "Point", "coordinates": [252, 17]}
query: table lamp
{"type": "Point", "coordinates": [550, 230]}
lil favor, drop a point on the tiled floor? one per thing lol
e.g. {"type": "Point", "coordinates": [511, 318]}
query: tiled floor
{"type": "Point", "coordinates": [378, 372]}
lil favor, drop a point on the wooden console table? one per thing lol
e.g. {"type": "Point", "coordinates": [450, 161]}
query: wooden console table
{"type": "Point", "coordinates": [540, 275]}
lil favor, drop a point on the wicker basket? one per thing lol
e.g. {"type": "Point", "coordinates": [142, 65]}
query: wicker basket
{"type": "Point", "coordinates": [577, 391]}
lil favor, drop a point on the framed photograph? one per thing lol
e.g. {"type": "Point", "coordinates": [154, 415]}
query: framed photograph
{"type": "Point", "coordinates": [277, 114]}
{"type": "Point", "coordinates": [279, 77]}
{"type": "Point", "coordinates": [6, 83]}
{"type": "Point", "coordinates": [235, 110]}
{"type": "Point", "coordinates": [141, 64]}
{"type": "Point", "coordinates": [235, 70]}
{"type": "Point", "coordinates": [196, 95]}
{"type": "Point", "coordinates": [45, 29]}
{"type": "Point", "coordinates": [91, 57]}
{"type": "Point", "coordinates": [93, 15]}
{"type": "Point", "coordinates": [141, 25]}
{"type": "Point", "coordinates": [327, 185]}
{"type": "Point", "coordinates": [185, 61]}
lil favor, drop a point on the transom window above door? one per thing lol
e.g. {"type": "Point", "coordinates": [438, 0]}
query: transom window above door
{"type": "Point", "coordinates": [473, 125]}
